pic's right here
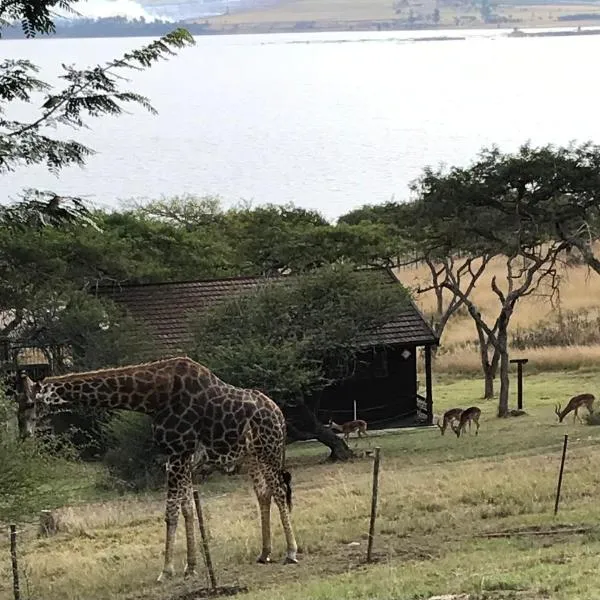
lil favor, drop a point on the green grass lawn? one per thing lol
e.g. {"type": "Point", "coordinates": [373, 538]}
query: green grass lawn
{"type": "Point", "coordinates": [443, 503]}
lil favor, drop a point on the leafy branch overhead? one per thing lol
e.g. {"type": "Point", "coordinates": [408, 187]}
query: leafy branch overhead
{"type": "Point", "coordinates": [93, 92]}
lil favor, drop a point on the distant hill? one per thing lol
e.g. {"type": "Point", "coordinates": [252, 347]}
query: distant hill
{"type": "Point", "coordinates": [110, 27]}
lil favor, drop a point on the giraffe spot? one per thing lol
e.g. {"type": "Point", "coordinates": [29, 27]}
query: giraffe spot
{"type": "Point", "coordinates": [220, 447]}
{"type": "Point", "coordinates": [178, 385]}
{"type": "Point", "coordinates": [86, 388]}
{"type": "Point", "coordinates": [229, 421]}
{"type": "Point", "coordinates": [217, 430]}
{"type": "Point", "coordinates": [192, 385]}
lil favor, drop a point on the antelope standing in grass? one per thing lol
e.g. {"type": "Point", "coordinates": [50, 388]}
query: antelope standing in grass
{"type": "Point", "coordinates": [575, 403]}
{"type": "Point", "coordinates": [468, 415]}
{"type": "Point", "coordinates": [349, 427]}
{"type": "Point", "coordinates": [448, 419]}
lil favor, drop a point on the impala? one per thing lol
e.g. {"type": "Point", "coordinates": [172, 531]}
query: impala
{"type": "Point", "coordinates": [349, 427]}
{"type": "Point", "coordinates": [575, 403]}
{"type": "Point", "coordinates": [448, 419]}
{"type": "Point", "coordinates": [468, 415]}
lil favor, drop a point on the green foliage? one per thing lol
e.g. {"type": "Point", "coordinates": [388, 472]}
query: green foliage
{"type": "Point", "coordinates": [88, 93]}
{"type": "Point", "coordinates": [32, 472]}
{"type": "Point", "coordinates": [284, 336]}
{"type": "Point", "coordinates": [132, 459]}
{"type": "Point", "coordinates": [34, 16]}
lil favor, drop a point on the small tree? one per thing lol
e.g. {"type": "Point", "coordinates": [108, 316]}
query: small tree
{"type": "Point", "coordinates": [284, 337]}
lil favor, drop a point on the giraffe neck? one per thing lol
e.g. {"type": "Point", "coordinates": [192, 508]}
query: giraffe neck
{"type": "Point", "coordinates": [120, 391]}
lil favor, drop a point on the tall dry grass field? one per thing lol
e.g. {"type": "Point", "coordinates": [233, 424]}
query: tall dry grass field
{"type": "Point", "coordinates": [579, 293]}
{"type": "Point", "coordinates": [440, 499]}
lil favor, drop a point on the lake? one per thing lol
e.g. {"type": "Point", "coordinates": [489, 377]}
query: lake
{"type": "Point", "coordinates": [328, 121]}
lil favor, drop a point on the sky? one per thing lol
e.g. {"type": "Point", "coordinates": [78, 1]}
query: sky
{"type": "Point", "coordinates": [112, 8]}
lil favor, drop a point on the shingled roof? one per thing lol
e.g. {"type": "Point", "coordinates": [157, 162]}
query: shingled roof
{"type": "Point", "coordinates": [164, 308]}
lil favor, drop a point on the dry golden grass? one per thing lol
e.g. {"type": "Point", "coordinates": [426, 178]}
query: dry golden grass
{"type": "Point", "coordinates": [437, 495]}
{"type": "Point", "coordinates": [579, 292]}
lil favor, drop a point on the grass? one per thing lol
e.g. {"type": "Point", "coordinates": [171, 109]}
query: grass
{"type": "Point", "coordinates": [439, 496]}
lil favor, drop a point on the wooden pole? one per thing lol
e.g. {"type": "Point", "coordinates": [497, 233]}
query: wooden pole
{"type": "Point", "coordinates": [520, 362]}
{"type": "Point", "coordinates": [15, 563]}
{"type": "Point", "coordinates": [207, 559]}
{"type": "Point", "coordinates": [373, 503]}
{"type": "Point", "coordinates": [560, 474]}
{"type": "Point", "coordinates": [355, 410]}
{"type": "Point", "coordinates": [428, 385]}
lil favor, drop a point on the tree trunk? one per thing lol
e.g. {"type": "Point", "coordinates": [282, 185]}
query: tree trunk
{"type": "Point", "coordinates": [302, 424]}
{"type": "Point", "coordinates": [504, 373]}
{"type": "Point", "coordinates": [488, 392]}
{"type": "Point", "coordinates": [489, 368]}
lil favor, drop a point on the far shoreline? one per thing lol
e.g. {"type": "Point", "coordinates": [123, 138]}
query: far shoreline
{"type": "Point", "coordinates": [437, 33]}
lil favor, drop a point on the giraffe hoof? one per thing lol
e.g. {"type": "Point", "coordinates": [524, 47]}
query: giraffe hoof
{"type": "Point", "coordinates": [264, 560]}
{"type": "Point", "coordinates": [290, 560]}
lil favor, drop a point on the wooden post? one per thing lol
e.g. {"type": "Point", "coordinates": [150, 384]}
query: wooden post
{"type": "Point", "coordinates": [207, 559]}
{"type": "Point", "coordinates": [355, 410]}
{"type": "Point", "coordinates": [15, 563]}
{"type": "Point", "coordinates": [373, 503]}
{"type": "Point", "coordinates": [520, 362]}
{"type": "Point", "coordinates": [560, 474]}
{"type": "Point", "coordinates": [428, 386]}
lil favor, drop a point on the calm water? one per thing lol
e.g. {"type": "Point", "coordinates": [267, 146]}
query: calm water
{"type": "Point", "coordinates": [308, 119]}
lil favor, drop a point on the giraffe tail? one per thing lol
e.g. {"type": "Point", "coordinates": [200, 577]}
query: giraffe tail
{"type": "Point", "coordinates": [287, 482]}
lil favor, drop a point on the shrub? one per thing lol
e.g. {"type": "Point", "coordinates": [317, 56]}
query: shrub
{"type": "Point", "coordinates": [132, 459]}
{"type": "Point", "coordinates": [569, 329]}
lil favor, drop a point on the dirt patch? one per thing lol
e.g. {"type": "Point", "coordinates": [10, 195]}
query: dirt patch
{"type": "Point", "coordinates": [230, 590]}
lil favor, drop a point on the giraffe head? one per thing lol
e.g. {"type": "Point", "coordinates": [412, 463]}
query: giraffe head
{"type": "Point", "coordinates": [40, 393]}
{"type": "Point", "coordinates": [27, 414]}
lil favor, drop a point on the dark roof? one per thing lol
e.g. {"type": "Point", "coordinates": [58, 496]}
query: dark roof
{"type": "Point", "coordinates": [164, 308]}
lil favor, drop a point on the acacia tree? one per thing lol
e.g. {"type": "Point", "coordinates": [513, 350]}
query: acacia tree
{"type": "Point", "coordinates": [567, 206]}
{"type": "Point", "coordinates": [485, 211]}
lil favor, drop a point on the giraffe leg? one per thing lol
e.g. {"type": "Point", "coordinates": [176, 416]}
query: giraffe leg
{"type": "Point", "coordinates": [187, 509]}
{"type": "Point", "coordinates": [176, 471]}
{"type": "Point", "coordinates": [263, 495]}
{"type": "Point", "coordinates": [279, 495]}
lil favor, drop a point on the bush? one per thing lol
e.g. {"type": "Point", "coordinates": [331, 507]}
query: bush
{"type": "Point", "coordinates": [569, 329]}
{"type": "Point", "coordinates": [132, 459]}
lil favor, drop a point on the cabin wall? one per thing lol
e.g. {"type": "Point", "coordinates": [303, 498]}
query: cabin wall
{"type": "Point", "coordinates": [384, 386]}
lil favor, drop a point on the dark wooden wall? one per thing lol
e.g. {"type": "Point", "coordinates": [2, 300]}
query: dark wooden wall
{"type": "Point", "coordinates": [384, 386]}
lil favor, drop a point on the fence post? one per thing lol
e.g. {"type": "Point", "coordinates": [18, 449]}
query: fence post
{"type": "Point", "coordinates": [373, 503]}
{"type": "Point", "coordinates": [15, 563]}
{"type": "Point", "coordinates": [560, 473]}
{"type": "Point", "coordinates": [207, 559]}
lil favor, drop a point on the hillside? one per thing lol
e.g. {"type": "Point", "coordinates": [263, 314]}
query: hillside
{"type": "Point", "coordinates": [362, 15]}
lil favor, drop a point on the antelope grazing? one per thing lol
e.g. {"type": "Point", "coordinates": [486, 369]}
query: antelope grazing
{"type": "Point", "coordinates": [575, 403]}
{"type": "Point", "coordinates": [359, 426]}
{"type": "Point", "coordinates": [449, 417]}
{"type": "Point", "coordinates": [468, 415]}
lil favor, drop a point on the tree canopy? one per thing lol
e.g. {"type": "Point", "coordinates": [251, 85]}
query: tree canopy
{"type": "Point", "coordinates": [293, 337]}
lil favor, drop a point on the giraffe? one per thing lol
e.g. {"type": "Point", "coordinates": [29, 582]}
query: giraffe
{"type": "Point", "coordinates": [196, 419]}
